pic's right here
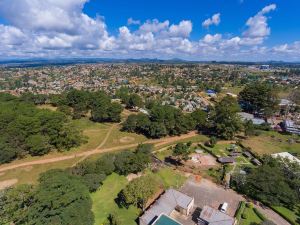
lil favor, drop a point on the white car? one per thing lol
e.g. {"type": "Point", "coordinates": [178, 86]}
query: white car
{"type": "Point", "coordinates": [224, 207]}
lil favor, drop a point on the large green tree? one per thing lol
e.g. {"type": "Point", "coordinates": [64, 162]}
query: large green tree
{"type": "Point", "coordinates": [226, 121]}
{"type": "Point", "coordinates": [61, 199]}
{"type": "Point", "coordinates": [259, 97]}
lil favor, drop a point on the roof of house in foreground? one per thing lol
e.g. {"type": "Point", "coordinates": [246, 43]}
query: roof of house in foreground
{"type": "Point", "coordinates": [215, 217]}
{"type": "Point", "coordinates": [166, 204]}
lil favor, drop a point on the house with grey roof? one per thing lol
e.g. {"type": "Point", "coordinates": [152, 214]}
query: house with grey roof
{"type": "Point", "coordinates": [211, 216]}
{"type": "Point", "coordinates": [168, 202]}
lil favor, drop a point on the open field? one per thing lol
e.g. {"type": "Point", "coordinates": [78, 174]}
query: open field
{"type": "Point", "coordinates": [30, 174]}
{"type": "Point", "coordinates": [104, 204]}
{"type": "Point", "coordinates": [271, 142]}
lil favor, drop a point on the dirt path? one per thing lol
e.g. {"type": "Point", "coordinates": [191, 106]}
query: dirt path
{"type": "Point", "coordinates": [98, 150]}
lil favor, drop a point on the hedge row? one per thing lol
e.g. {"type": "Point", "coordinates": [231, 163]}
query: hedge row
{"type": "Point", "coordinates": [240, 210]}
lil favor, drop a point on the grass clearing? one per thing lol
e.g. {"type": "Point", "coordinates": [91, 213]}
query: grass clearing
{"type": "Point", "coordinates": [169, 178]}
{"type": "Point", "coordinates": [30, 174]}
{"type": "Point", "coordinates": [293, 216]}
{"type": "Point", "coordinates": [251, 217]}
{"type": "Point", "coordinates": [270, 142]}
{"type": "Point", "coordinates": [104, 204]}
{"type": "Point", "coordinates": [119, 138]}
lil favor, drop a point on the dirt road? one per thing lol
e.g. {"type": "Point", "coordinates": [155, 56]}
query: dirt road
{"type": "Point", "coordinates": [99, 150]}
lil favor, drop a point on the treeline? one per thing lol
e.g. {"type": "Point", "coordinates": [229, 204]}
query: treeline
{"type": "Point", "coordinates": [78, 103]}
{"type": "Point", "coordinates": [62, 196]}
{"type": "Point", "coordinates": [163, 121]}
{"type": "Point", "coordinates": [93, 173]}
{"type": "Point", "coordinates": [27, 130]}
{"type": "Point", "coordinates": [221, 121]}
{"type": "Point", "coordinates": [275, 183]}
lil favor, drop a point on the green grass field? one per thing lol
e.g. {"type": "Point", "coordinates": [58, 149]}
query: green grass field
{"type": "Point", "coordinates": [251, 217]}
{"type": "Point", "coordinates": [119, 138]}
{"type": "Point", "coordinates": [292, 215]}
{"type": "Point", "coordinates": [266, 144]}
{"type": "Point", "coordinates": [104, 204]}
{"type": "Point", "coordinates": [169, 178]}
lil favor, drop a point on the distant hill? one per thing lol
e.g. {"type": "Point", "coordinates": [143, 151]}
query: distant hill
{"type": "Point", "coordinates": [73, 61]}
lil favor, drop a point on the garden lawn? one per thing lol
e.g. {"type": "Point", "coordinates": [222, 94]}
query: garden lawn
{"type": "Point", "coordinates": [292, 215]}
{"type": "Point", "coordinates": [169, 178]}
{"type": "Point", "coordinates": [266, 144]}
{"type": "Point", "coordinates": [104, 202]}
{"type": "Point", "coordinates": [251, 217]}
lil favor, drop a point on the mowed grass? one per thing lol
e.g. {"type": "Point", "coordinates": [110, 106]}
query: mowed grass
{"type": "Point", "coordinates": [30, 174]}
{"type": "Point", "coordinates": [251, 217]}
{"type": "Point", "coordinates": [266, 144]}
{"type": "Point", "coordinates": [120, 138]}
{"type": "Point", "coordinates": [94, 132]}
{"type": "Point", "coordinates": [168, 177]}
{"type": "Point", "coordinates": [104, 202]}
{"type": "Point", "coordinates": [292, 215]}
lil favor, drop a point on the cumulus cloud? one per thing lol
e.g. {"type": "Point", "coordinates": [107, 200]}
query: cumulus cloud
{"type": "Point", "coordinates": [257, 25]}
{"type": "Point", "coordinates": [37, 28]}
{"type": "Point", "coordinates": [214, 20]}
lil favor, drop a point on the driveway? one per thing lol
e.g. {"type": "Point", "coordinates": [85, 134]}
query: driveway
{"type": "Point", "coordinates": [208, 193]}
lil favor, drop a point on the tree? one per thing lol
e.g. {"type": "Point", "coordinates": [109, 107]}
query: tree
{"type": "Point", "coordinates": [157, 130]}
{"type": "Point", "coordinates": [226, 121]}
{"type": "Point", "coordinates": [126, 163]}
{"type": "Point", "coordinates": [93, 181]}
{"type": "Point", "coordinates": [62, 199]}
{"type": "Point", "coordinates": [260, 98]}
{"type": "Point", "coordinates": [200, 118]}
{"type": "Point", "coordinates": [135, 101]}
{"type": "Point", "coordinates": [15, 204]}
{"type": "Point", "coordinates": [273, 183]}
{"type": "Point", "coordinates": [105, 164]}
{"type": "Point", "coordinates": [249, 128]}
{"type": "Point", "coordinates": [181, 149]}
{"type": "Point", "coordinates": [38, 144]}
{"type": "Point", "coordinates": [138, 191]}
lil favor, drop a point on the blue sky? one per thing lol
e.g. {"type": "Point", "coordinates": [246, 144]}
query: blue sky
{"type": "Point", "coordinates": [191, 29]}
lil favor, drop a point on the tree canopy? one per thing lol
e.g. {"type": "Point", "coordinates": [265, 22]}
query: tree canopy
{"type": "Point", "coordinates": [260, 98]}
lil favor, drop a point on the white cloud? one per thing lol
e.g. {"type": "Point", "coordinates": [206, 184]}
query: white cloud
{"type": "Point", "coordinates": [212, 38]}
{"type": "Point", "coordinates": [131, 21]}
{"type": "Point", "coordinates": [214, 20]}
{"type": "Point", "coordinates": [183, 29]}
{"type": "Point", "coordinates": [43, 28]}
{"type": "Point", "coordinates": [257, 25]}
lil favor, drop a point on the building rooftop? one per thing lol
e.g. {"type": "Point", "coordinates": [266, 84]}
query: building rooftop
{"type": "Point", "coordinates": [165, 205]}
{"type": "Point", "coordinates": [286, 155]}
{"type": "Point", "coordinates": [211, 216]}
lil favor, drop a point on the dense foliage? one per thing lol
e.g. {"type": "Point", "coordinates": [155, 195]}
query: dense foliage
{"type": "Point", "coordinates": [276, 182]}
{"type": "Point", "coordinates": [100, 104]}
{"type": "Point", "coordinates": [162, 121]}
{"type": "Point", "coordinates": [25, 129]}
{"type": "Point", "coordinates": [59, 199]}
{"type": "Point", "coordinates": [225, 121]}
{"type": "Point", "coordinates": [259, 98]}
{"type": "Point", "coordinates": [138, 191]}
{"type": "Point", "coordinates": [93, 173]}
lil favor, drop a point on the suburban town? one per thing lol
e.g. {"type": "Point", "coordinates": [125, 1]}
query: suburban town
{"type": "Point", "coordinates": [149, 112]}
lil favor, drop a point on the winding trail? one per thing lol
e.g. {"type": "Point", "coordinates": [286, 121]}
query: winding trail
{"type": "Point", "coordinates": [99, 150]}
